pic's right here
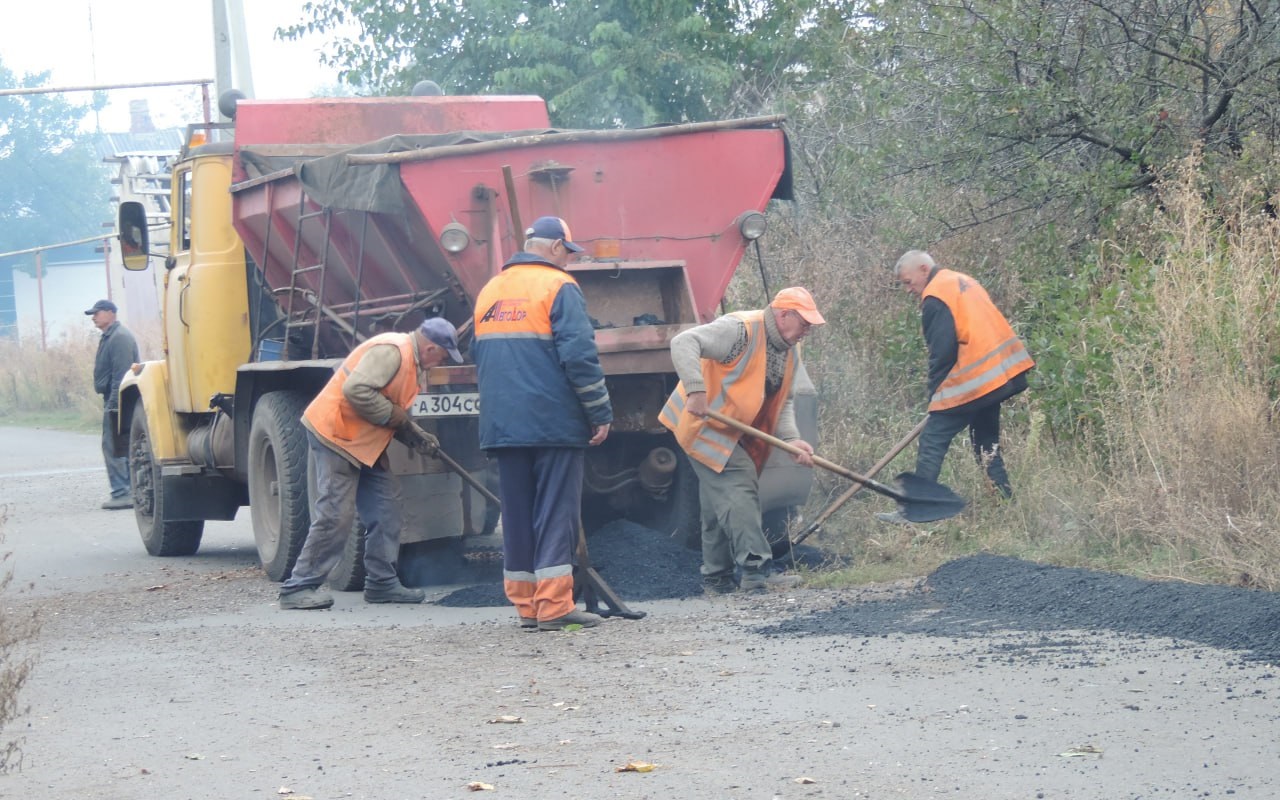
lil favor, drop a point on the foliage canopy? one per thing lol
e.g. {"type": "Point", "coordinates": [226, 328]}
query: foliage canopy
{"type": "Point", "coordinates": [598, 64]}
{"type": "Point", "coordinates": [52, 187]}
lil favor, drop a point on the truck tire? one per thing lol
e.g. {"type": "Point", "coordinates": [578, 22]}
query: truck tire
{"type": "Point", "coordinates": [278, 481]}
{"type": "Point", "coordinates": [161, 537]}
{"type": "Point", "coordinates": [348, 576]}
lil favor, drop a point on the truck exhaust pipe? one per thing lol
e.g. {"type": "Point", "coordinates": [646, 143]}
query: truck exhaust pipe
{"type": "Point", "coordinates": [213, 445]}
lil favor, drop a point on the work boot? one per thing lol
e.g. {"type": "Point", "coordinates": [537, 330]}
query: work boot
{"type": "Point", "coordinates": [775, 581]}
{"type": "Point", "coordinates": [395, 593]}
{"type": "Point", "coordinates": [306, 599]}
{"type": "Point", "coordinates": [528, 623]}
{"type": "Point", "coordinates": [893, 517]}
{"type": "Point", "coordinates": [584, 618]}
{"type": "Point", "coordinates": [123, 501]}
{"type": "Point", "coordinates": [720, 584]}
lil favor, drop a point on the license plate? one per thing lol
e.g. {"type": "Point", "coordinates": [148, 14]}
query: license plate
{"type": "Point", "coordinates": [448, 404]}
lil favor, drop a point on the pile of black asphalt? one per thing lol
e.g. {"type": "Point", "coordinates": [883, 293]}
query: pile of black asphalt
{"type": "Point", "coordinates": [985, 594]}
{"type": "Point", "coordinates": [970, 597]}
{"type": "Point", "coordinates": [638, 563]}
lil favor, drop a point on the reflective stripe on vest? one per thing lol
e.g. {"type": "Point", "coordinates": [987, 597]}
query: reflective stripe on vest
{"type": "Point", "coordinates": [990, 354]}
{"type": "Point", "coordinates": [736, 390]}
{"type": "Point", "coordinates": [334, 420]}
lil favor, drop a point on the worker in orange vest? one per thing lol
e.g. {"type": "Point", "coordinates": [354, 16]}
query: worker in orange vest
{"type": "Point", "coordinates": [976, 362]}
{"type": "Point", "coordinates": [349, 425]}
{"type": "Point", "coordinates": [742, 365]}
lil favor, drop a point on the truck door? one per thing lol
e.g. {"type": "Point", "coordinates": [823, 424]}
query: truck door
{"type": "Point", "coordinates": [206, 314]}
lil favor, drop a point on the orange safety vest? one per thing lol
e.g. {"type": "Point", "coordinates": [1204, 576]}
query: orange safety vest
{"type": "Point", "coordinates": [990, 353]}
{"type": "Point", "coordinates": [518, 300]}
{"type": "Point", "coordinates": [735, 390]}
{"type": "Point", "coordinates": [333, 419]}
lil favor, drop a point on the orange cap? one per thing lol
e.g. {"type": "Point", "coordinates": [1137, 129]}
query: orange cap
{"type": "Point", "coordinates": [800, 301]}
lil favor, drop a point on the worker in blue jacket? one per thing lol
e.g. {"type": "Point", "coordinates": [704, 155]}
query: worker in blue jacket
{"type": "Point", "coordinates": [543, 401]}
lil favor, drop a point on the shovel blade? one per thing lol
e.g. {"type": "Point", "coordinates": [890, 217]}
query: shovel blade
{"type": "Point", "coordinates": [926, 501]}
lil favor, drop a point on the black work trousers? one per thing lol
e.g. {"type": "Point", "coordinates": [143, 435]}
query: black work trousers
{"type": "Point", "coordinates": [984, 434]}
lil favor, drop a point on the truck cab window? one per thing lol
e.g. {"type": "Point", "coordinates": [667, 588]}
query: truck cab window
{"type": "Point", "coordinates": [184, 213]}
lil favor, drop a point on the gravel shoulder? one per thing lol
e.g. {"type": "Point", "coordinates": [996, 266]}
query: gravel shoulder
{"type": "Point", "coordinates": [180, 678]}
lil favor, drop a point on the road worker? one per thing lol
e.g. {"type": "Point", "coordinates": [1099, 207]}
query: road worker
{"type": "Point", "coordinates": [976, 362]}
{"type": "Point", "coordinates": [349, 425]}
{"type": "Point", "coordinates": [543, 401]}
{"type": "Point", "coordinates": [742, 365]}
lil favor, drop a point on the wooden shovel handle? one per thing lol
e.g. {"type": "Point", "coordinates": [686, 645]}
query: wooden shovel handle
{"type": "Point", "coordinates": [790, 448]}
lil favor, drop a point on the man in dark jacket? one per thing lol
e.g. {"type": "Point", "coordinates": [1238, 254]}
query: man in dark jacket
{"type": "Point", "coordinates": [117, 352]}
{"type": "Point", "coordinates": [976, 362]}
{"type": "Point", "coordinates": [543, 401]}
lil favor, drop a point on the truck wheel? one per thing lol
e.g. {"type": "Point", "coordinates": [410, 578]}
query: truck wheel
{"type": "Point", "coordinates": [348, 576]}
{"type": "Point", "coordinates": [161, 537]}
{"type": "Point", "coordinates": [278, 481]}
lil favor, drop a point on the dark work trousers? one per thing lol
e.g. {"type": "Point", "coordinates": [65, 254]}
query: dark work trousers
{"type": "Point", "coordinates": [117, 466]}
{"type": "Point", "coordinates": [541, 512]}
{"type": "Point", "coordinates": [343, 492]}
{"type": "Point", "coordinates": [984, 434]}
{"type": "Point", "coordinates": [732, 535]}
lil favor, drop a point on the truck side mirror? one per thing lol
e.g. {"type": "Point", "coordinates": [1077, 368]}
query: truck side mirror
{"type": "Point", "coordinates": [135, 243]}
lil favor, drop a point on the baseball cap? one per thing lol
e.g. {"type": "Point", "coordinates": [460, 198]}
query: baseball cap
{"type": "Point", "coordinates": [441, 332]}
{"type": "Point", "coordinates": [552, 228]}
{"type": "Point", "coordinates": [102, 305]}
{"type": "Point", "coordinates": [800, 301]}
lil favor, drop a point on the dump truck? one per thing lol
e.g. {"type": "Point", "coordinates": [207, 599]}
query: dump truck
{"type": "Point", "coordinates": [302, 227]}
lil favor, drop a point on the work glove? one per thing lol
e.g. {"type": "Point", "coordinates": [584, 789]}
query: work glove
{"type": "Point", "coordinates": [427, 444]}
{"type": "Point", "coordinates": [399, 418]}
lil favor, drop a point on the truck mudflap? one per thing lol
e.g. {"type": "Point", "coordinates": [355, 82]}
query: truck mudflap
{"type": "Point", "coordinates": [191, 493]}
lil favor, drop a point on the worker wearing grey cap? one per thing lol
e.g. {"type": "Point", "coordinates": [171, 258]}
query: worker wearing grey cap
{"type": "Point", "coordinates": [117, 352]}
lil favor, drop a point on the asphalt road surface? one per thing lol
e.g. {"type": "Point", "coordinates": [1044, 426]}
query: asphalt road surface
{"type": "Point", "coordinates": [179, 678]}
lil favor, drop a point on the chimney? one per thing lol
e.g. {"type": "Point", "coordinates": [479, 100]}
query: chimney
{"type": "Point", "coordinates": [140, 117]}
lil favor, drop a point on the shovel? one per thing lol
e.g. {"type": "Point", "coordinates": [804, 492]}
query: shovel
{"type": "Point", "coordinates": [467, 477]}
{"type": "Point", "coordinates": [921, 500]}
{"type": "Point", "coordinates": [816, 525]}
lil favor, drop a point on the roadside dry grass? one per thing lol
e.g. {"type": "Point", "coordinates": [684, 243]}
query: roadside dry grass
{"type": "Point", "coordinates": [51, 387]}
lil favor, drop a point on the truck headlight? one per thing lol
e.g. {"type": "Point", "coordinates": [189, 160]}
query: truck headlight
{"type": "Point", "coordinates": [454, 237]}
{"type": "Point", "coordinates": [751, 224]}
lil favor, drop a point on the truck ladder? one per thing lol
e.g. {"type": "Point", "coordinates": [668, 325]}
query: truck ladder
{"type": "Point", "coordinates": [297, 321]}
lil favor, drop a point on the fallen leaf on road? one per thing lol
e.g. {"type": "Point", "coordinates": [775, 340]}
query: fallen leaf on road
{"type": "Point", "coordinates": [194, 757]}
{"type": "Point", "coordinates": [1081, 751]}
{"type": "Point", "coordinates": [157, 586]}
{"type": "Point", "coordinates": [803, 779]}
{"type": "Point", "coordinates": [478, 786]}
{"type": "Point", "coordinates": [506, 746]}
{"type": "Point", "coordinates": [635, 766]}
{"type": "Point", "coordinates": [507, 719]}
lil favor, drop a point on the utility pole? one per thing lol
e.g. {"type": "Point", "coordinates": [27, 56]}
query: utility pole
{"type": "Point", "coordinates": [230, 49]}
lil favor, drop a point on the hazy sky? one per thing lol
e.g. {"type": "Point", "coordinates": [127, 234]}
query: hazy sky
{"type": "Point", "coordinates": [135, 41]}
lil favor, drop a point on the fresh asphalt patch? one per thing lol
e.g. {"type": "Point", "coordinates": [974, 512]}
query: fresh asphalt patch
{"type": "Point", "coordinates": [985, 594]}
